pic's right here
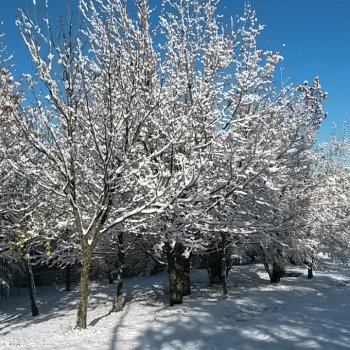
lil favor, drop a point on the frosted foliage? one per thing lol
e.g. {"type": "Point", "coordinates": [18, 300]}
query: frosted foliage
{"type": "Point", "coordinates": [13, 195]}
{"type": "Point", "coordinates": [192, 131]}
{"type": "Point", "coordinates": [328, 217]}
{"type": "Point", "coordinates": [175, 134]}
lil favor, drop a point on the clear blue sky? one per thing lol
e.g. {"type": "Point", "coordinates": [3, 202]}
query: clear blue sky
{"type": "Point", "coordinates": [316, 35]}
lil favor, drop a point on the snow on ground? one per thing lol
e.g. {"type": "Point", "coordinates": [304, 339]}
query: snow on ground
{"type": "Point", "coordinates": [296, 314]}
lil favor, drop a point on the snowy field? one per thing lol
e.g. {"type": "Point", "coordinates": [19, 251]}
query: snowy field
{"type": "Point", "coordinates": [296, 314]}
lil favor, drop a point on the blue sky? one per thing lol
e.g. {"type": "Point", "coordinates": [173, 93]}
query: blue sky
{"type": "Point", "coordinates": [312, 35]}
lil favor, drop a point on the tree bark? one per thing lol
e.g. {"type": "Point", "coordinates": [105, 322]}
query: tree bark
{"type": "Point", "coordinates": [267, 269]}
{"type": "Point", "coordinates": [310, 272]}
{"type": "Point", "coordinates": [31, 285]}
{"type": "Point", "coordinates": [178, 250]}
{"type": "Point", "coordinates": [218, 265]}
{"type": "Point", "coordinates": [110, 277]}
{"type": "Point", "coordinates": [186, 277]}
{"type": "Point", "coordinates": [310, 265]}
{"type": "Point", "coordinates": [119, 298]}
{"type": "Point", "coordinates": [175, 285]}
{"type": "Point", "coordinates": [84, 289]}
{"type": "Point", "coordinates": [184, 269]}
{"type": "Point", "coordinates": [223, 265]}
{"type": "Point", "coordinates": [277, 272]}
{"type": "Point", "coordinates": [118, 303]}
{"type": "Point", "coordinates": [215, 267]}
{"type": "Point", "coordinates": [68, 279]}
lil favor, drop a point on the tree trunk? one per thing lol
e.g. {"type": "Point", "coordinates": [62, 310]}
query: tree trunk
{"type": "Point", "coordinates": [68, 280]}
{"type": "Point", "coordinates": [178, 250]}
{"type": "Point", "coordinates": [119, 298]}
{"type": "Point", "coordinates": [215, 267]}
{"type": "Point", "coordinates": [184, 269]}
{"type": "Point", "coordinates": [310, 265]}
{"type": "Point", "coordinates": [218, 265]}
{"type": "Point", "coordinates": [274, 276]}
{"type": "Point", "coordinates": [310, 273]}
{"type": "Point", "coordinates": [110, 277]}
{"type": "Point", "coordinates": [186, 277]}
{"type": "Point", "coordinates": [277, 272]}
{"type": "Point", "coordinates": [31, 285]}
{"type": "Point", "coordinates": [84, 289]}
{"type": "Point", "coordinates": [118, 303]}
{"type": "Point", "coordinates": [268, 269]}
{"type": "Point", "coordinates": [175, 285]}
{"type": "Point", "coordinates": [223, 265]}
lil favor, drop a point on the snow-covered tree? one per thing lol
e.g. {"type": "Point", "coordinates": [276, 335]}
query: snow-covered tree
{"type": "Point", "coordinates": [108, 137]}
{"type": "Point", "coordinates": [175, 132]}
{"type": "Point", "coordinates": [328, 215]}
{"type": "Point", "coordinates": [9, 203]}
{"type": "Point", "coordinates": [264, 202]}
{"type": "Point", "coordinates": [16, 196]}
{"type": "Point", "coordinates": [85, 130]}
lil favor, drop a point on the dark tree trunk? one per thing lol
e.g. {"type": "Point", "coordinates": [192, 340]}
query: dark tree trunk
{"type": "Point", "coordinates": [277, 272]}
{"type": "Point", "coordinates": [275, 278]}
{"type": "Point", "coordinates": [310, 265]}
{"type": "Point", "coordinates": [223, 264]}
{"type": "Point", "coordinates": [6, 279]}
{"type": "Point", "coordinates": [175, 283]}
{"type": "Point", "coordinates": [215, 267]}
{"type": "Point", "coordinates": [266, 264]}
{"type": "Point", "coordinates": [119, 298]}
{"type": "Point", "coordinates": [218, 268]}
{"type": "Point", "coordinates": [273, 274]}
{"type": "Point", "coordinates": [186, 277]}
{"type": "Point", "coordinates": [184, 268]}
{"type": "Point", "coordinates": [110, 277]}
{"type": "Point", "coordinates": [68, 279]}
{"type": "Point", "coordinates": [84, 289]}
{"type": "Point", "coordinates": [118, 303]}
{"type": "Point", "coordinates": [31, 285]}
{"type": "Point", "coordinates": [310, 273]}
{"type": "Point", "coordinates": [268, 269]}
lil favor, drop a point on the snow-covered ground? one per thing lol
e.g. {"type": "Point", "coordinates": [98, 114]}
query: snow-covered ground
{"type": "Point", "coordinates": [296, 314]}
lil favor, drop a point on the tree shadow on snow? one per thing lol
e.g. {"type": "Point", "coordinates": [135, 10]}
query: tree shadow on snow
{"type": "Point", "coordinates": [297, 314]}
{"type": "Point", "coordinates": [52, 301]}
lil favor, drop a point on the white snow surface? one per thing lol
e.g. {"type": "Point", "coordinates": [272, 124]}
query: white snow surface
{"type": "Point", "coordinates": [296, 314]}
